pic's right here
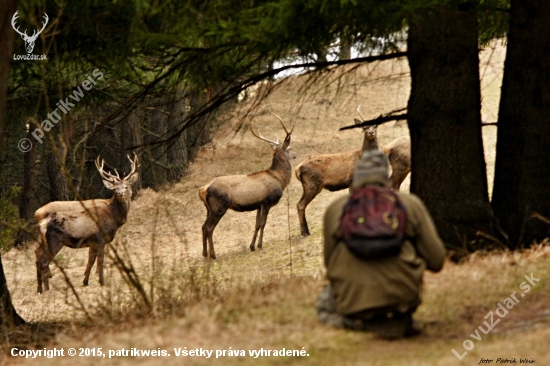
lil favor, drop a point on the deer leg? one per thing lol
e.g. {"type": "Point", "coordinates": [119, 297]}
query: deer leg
{"type": "Point", "coordinates": [42, 275]}
{"type": "Point", "coordinates": [100, 259]}
{"type": "Point", "coordinates": [38, 277]}
{"type": "Point", "coordinates": [398, 176]}
{"type": "Point", "coordinates": [258, 225]}
{"type": "Point", "coordinates": [310, 192]}
{"type": "Point", "coordinates": [205, 235]}
{"type": "Point", "coordinates": [45, 254]}
{"type": "Point", "coordinates": [39, 252]}
{"type": "Point", "coordinates": [92, 254]}
{"type": "Point", "coordinates": [42, 226]}
{"type": "Point", "coordinates": [265, 212]}
{"type": "Point", "coordinates": [207, 232]}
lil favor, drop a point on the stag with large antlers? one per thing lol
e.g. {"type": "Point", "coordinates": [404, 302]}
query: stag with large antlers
{"type": "Point", "coordinates": [258, 191]}
{"type": "Point", "coordinates": [85, 224]}
{"type": "Point", "coordinates": [330, 171]}
{"type": "Point", "coordinates": [29, 40]}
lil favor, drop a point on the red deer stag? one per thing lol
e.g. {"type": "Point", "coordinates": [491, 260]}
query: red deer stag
{"type": "Point", "coordinates": [91, 227]}
{"type": "Point", "coordinates": [64, 206]}
{"type": "Point", "coordinates": [258, 191]}
{"type": "Point", "coordinates": [330, 171]}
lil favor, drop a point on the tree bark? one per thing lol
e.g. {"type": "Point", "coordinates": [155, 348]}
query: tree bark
{"type": "Point", "coordinates": [521, 186]}
{"type": "Point", "coordinates": [131, 135]}
{"type": "Point", "coordinates": [444, 116]}
{"type": "Point", "coordinates": [56, 178]}
{"type": "Point", "coordinates": [8, 8]}
{"type": "Point", "coordinates": [8, 315]}
{"type": "Point", "coordinates": [177, 150]}
{"type": "Point", "coordinates": [25, 197]}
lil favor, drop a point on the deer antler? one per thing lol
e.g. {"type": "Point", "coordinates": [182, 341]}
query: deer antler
{"type": "Point", "coordinates": [135, 165]}
{"type": "Point", "coordinates": [281, 120]}
{"type": "Point", "coordinates": [359, 111]}
{"type": "Point", "coordinates": [276, 143]}
{"type": "Point", "coordinates": [105, 175]}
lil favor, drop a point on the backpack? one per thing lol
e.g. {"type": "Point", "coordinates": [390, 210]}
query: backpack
{"type": "Point", "coordinates": [373, 223]}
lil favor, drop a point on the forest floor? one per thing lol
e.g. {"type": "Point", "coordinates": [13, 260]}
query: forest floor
{"type": "Point", "coordinates": [170, 298]}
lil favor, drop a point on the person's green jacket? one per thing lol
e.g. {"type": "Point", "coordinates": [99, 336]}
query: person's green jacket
{"type": "Point", "coordinates": [361, 285]}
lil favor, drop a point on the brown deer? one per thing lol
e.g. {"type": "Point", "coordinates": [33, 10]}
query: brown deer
{"type": "Point", "coordinates": [258, 191]}
{"type": "Point", "coordinates": [64, 206]}
{"type": "Point", "coordinates": [399, 154]}
{"type": "Point", "coordinates": [91, 227]}
{"type": "Point", "coordinates": [330, 171]}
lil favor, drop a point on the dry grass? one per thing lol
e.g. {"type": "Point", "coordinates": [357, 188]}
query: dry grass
{"type": "Point", "coordinates": [266, 299]}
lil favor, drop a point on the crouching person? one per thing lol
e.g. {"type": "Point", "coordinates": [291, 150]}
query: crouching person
{"type": "Point", "coordinates": [377, 244]}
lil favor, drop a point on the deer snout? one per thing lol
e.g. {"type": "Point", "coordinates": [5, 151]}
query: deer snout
{"type": "Point", "coordinates": [290, 154]}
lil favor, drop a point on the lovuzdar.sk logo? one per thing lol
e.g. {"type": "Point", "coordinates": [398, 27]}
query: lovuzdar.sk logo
{"type": "Point", "coordinates": [29, 40]}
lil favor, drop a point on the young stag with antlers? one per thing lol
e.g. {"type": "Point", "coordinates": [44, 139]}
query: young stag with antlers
{"type": "Point", "coordinates": [330, 171]}
{"type": "Point", "coordinates": [258, 191]}
{"type": "Point", "coordinates": [334, 171]}
{"type": "Point", "coordinates": [86, 227]}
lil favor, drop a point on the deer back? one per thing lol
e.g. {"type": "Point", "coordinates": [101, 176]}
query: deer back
{"type": "Point", "coordinates": [61, 206]}
{"type": "Point", "coordinates": [332, 171]}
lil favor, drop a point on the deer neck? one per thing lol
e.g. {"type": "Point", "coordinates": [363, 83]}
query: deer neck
{"type": "Point", "coordinates": [119, 207]}
{"type": "Point", "coordinates": [280, 167]}
{"type": "Point", "coordinates": [369, 144]}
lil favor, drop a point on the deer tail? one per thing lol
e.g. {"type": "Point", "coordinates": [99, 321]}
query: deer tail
{"type": "Point", "coordinates": [298, 172]}
{"type": "Point", "coordinates": [203, 192]}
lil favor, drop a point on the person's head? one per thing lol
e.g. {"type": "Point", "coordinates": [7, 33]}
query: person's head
{"type": "Point", "coordinates": [372, 169]}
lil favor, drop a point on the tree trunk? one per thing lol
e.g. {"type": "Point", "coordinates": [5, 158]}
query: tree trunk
{"type": "Point", "coordinates": [177, 150]}
{"type": "Point", "coordinates": [8, 315]}
{"type": "Point", "coordinates": [56, 178]}
{"type": "Point", "coordinates": [8, 8]}
{"type": "Point", "coordinates": [521, 185]}
{"type": "Point", "coordinates": [157, 125]}
{"type": "Point", "coordinates": [448, 165]}
{"type": "Point", "coordinates": [25, 197]}
{"type": "Point", "coordinates": [131, 135]}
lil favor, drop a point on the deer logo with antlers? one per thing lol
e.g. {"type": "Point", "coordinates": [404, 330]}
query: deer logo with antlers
{"type": "Point", "coordinates": [29, 40]}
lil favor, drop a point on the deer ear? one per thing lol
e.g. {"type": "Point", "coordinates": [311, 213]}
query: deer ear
{"type": "Point", "coordinates": [286, 143]}
{"type": "Point", "coordinates": [109, 185]}
{"type": "Point", "coordinates": [133, 178]}
{"type": "Point", "coordinates": [357, 121]}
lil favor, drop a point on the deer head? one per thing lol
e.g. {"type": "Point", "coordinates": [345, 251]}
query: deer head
{"type": "Point", "coordinates": [29, 40]}
{"type": "Point", "coordinates": [370, 131]}
{"type": "Point", "coordinates": [286, 144]}
{"type": "Point", "coordinates": [121, 186]}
